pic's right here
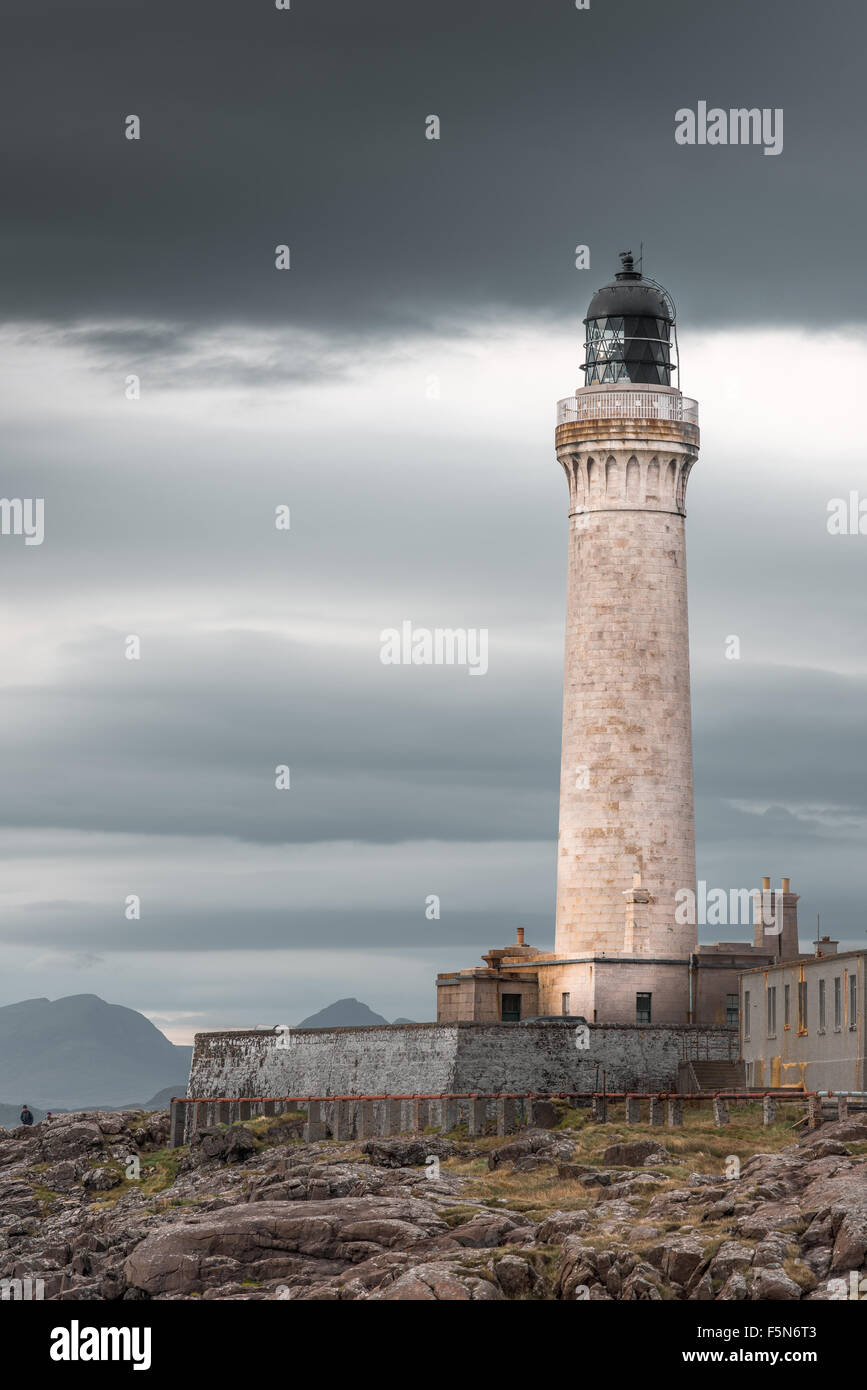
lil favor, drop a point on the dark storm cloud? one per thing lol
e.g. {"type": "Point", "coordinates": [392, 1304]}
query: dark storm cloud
{"type": "Point", "coordinates": [306, 127]}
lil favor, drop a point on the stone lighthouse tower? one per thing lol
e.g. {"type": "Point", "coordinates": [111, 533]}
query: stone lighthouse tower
{"type": "Point", "coordinates": [627, 441]}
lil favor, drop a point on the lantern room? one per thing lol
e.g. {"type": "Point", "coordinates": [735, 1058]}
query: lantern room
{"type": "Point", "coordinates": [629, 328]}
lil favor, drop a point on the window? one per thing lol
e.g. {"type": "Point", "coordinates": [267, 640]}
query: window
{"type": "Point", "coordinates": [746, 1013]}
{"type": "Point", "coordinates": [838, 1003]}
{"type": "Point", "coordinates": [853, 1001]}
{"type": "Point", "coordinates": [802, 1006]}
{"type": "Point", "coordinates": [642, 1008]}
{"type": "Point", "coordinates": [731, 1011]}
{"type": "Point", "coordinates": [566, 1002]}
{"type": "Point", "coordinates": [822, 1005]}
{"type": "Point", "coordinates": [772, 1011]}
{"type": "Point", "coordinates": [786, 1011]}
{"type": "Point", "coordinates": [511, 1011]}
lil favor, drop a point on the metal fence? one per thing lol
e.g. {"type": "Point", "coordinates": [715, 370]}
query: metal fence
{"type": "Point", "coordinates": [627, 405]}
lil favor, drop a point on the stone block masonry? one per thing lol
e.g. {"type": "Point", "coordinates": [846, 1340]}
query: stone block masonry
{"type": "Point", "coordinates": [458, 1058]}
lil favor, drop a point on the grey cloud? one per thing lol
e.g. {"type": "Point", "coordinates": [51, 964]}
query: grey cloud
{"type": "Point", "coordinates": [307, 127]}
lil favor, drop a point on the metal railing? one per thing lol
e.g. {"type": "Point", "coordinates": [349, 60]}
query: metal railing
{"type": "Point", "coordinates": [627, 405]}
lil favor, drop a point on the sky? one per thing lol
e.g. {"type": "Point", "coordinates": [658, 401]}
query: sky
{"type": "Point", "coordinates": [395, 390]}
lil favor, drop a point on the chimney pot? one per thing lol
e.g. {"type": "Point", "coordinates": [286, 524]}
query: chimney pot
{"type": "Point", "coordinates": [786, 883]}
{"type": "Point", "coordinates": [766, 883]}
{"type": "Point", "coordinates": [520, 936]}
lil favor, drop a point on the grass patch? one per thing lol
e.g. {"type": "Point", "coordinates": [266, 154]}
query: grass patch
{"type": "Point", "coordinates": [158, 1172]}
{"type": "Point", "coordinates": [457, 1216]}
{"type": "Point", "coordinates": [45, 1196]}
{"type": "Point", "coordinates": [800, 1274]}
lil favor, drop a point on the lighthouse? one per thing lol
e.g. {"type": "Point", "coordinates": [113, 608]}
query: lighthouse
{"type": "Point", "coordinates": [627, 441]}
{"type": "Point", "coordinates": [625, 940]}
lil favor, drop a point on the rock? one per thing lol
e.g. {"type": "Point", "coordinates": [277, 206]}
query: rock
{"type": "Point", "coordinates": [577, 1268]}
{"type": "Point", "coordinates": [72, 1140]}
{"type": "Point", "coordinates": [678, 1257]}
{"type": "Point", "coordinates": [101, 1179]}
{"type": "Point", "coordinates": [774, 1285]}
{"type": "Point", "coordinates": [735, 1289]}
{"type": "Point", "coordinates": [642, 1285]}
{"type": "Point", "coordinates": [771, 1251]}
{"type": "Point", "coordinates": [516, 1277]}
{"type": "Point", "coordinates": [407, 1153]}
{"type": "Point", "coordinates": [850, 1245]}
{"type": "Point", "coordinates": [583, 1173]}
{"type": "Point", "coordinates": [488, 1230]}
{"type": "Point", "coordinates": [824, 1148]}
{"type": "Point", "coordinates": [239, 1144]}
{"type": "Point", "coordinates": [560, 1224]}
{"type": "Point", "coordinates": [634, 1153]}
{"type": "Point", "coordinates": [545, 1147]}
{"type": "Point", "coordinates": [439, 1281]}
{"type": "Point", "coordinates": [702, 1290]}
{"type": "Point", "coordinates": [769, 1217]}
{"type": "Point", "coordinates": [261, 1234]}
{"type": "Point", "coordinates": [853, 1130]}
{"type": "Point", "coordinates": [818, 1261]}
{"type": "Point", "coordinates": [732, 1257]}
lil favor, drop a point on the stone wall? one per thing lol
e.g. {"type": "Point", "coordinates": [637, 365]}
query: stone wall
{"type": "Point", "coordinates": [429, 1058]}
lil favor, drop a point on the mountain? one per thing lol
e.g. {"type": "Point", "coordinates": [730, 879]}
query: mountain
{"type": "Point", "coordinates": [163, 1099]}
{"type": "Point", "coordinates": [80, 1052]}
{"type": "Point", "coordinates": [346, 1013]}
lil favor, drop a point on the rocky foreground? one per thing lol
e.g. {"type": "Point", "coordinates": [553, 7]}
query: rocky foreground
{"type": "Point", "coordinates": [97, 1207]}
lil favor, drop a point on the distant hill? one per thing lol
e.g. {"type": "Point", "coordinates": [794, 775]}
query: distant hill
{"type": "Point", "coordinates": [403, 1020]}
{"type": "Point", "coordinates": [80, 1053]}
{"type": "Point", "coordinates": [345, 1013]}
{"type": "Point", "coordinates": [163, 1099]}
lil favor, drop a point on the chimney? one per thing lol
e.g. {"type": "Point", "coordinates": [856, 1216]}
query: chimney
{"type": "Point", "coordinates": [826, 947]}
{"type": "Point", "coordinates": [787, 910]}
{"type": "Point", "coordinates": [520, 941]}
{"type": "Point", "coordinates": [775, 920]}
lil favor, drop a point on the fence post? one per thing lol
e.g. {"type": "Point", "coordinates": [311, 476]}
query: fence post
{"type": "Point", "coordinates": [478, 1115]}
{"type": "Point", "coordinates": [315, 1126]}
{"type": "Point", "coordinates": [178, 1120]}
{"type": "Point", "coordinates": [366, 1120]}
{"type": "Point", "coordinates": [448, 1114]}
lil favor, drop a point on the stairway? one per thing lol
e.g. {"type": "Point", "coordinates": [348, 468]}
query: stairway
{"type": "Point", "coordinates": [718, 1076]}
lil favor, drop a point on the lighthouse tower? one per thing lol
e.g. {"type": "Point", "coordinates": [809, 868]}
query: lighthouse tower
{"type": "Point", "coordinates": [627, 441]}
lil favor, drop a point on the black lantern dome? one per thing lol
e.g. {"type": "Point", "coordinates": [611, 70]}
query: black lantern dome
{"type": "Point", "coordinates": [629, 331]}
